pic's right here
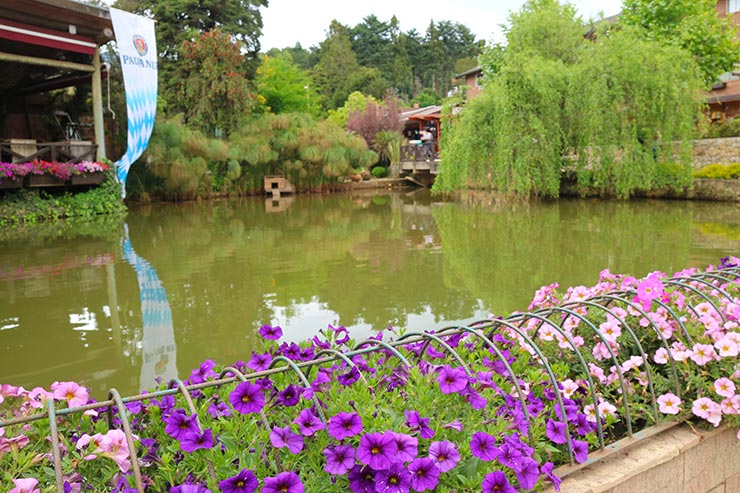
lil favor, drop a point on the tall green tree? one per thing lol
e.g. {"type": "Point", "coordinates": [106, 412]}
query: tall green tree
{"type": "Point", "coordinates": [690, 24]}
{"type": "Point", "coordinates": [284, 87]}
{"type": "Point", "coordinates": [338, 72]}
{"type": "Point", "coordinates": [212, 88]}
{"type": "Point", "coordinates": [182, 20]}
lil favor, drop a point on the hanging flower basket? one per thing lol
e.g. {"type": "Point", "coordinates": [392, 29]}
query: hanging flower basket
{"type": "Point", "coordinates": [87, 179]}
{"type": "Point", "coordinates": [39, 181]}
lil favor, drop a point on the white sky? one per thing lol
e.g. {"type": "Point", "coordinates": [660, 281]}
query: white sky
{"type": "Point", "coordinates": [289, 21]}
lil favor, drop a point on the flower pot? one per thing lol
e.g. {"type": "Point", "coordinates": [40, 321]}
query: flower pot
{"type": "Point", "coordinates": [11, 184]}
{"type": "Point", "coordinates": [44, 181]}
{"type": "Point", "coordinates": [87, 179]}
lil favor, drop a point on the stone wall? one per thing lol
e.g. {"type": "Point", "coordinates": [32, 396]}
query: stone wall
{"type": "Point", "coordinates": [679, 459]}
{"type": "Point", "coordinates": [711, 151]}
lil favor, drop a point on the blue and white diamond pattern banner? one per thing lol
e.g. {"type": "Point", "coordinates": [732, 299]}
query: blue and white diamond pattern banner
{"type": "Point", "coordinates": [158, 348]}
{"type": "Point", "coordinates": [138, 51]}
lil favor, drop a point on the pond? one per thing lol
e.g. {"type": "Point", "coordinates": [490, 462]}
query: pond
{"type": "Point", "coordinates": [120, 305]}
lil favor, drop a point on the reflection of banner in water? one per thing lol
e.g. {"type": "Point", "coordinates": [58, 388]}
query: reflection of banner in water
{"type": "Point", "coordinates": [159, 352]}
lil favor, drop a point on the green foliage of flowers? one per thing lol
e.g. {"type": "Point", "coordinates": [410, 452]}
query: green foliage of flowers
{"type": "Point", "coordinates": [607, 111]}
{"type": "Point", "coordinates": [720, 171]}
{"type": "Point", "coordinates": [492, 407]}
{"type": "Point", "coordinates": [29, 207]}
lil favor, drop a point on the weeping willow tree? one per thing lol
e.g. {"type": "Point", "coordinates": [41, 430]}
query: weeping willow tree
{"type": "Point", "coordinates": [612, 115]}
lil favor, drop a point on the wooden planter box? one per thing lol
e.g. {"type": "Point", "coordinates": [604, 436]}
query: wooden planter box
{"type": "Point", "coordinates": [87, 179]}
{"type": "Point", "coordinates": [11, 184]}
{"type": "Point", "coordinates": [34, 181]}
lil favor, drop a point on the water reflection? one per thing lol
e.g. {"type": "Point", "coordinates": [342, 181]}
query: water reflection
{"type": "Point", "coordinates": [205, 276]}
{"type": "Point", "coordinates": [158, 348]}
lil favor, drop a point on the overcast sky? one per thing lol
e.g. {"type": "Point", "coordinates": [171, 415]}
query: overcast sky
{"type": "Point", "coordinates": [287, 22]}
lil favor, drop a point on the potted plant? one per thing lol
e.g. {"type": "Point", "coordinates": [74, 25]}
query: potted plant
{"type": "Point", "coordinates": [88, 173]}
{"type": "Point", "coordinates": [12, 175]}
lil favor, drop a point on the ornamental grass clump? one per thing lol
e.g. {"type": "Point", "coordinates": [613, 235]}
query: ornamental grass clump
{"type": "Point", "coordinates": [496, 406]}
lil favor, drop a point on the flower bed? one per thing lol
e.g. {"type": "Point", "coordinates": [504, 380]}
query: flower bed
{"type": "Point", "coordinates": [491, 407]}
{"type": "Point", "coordinates": [46, 173]}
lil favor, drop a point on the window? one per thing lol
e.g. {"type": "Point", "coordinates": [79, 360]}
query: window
{"type": "Point", "coordinates": [733, 6]}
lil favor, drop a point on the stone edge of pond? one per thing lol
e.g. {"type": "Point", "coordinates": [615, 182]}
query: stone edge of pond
{"type": "Point", "coordinates": [674, 458]}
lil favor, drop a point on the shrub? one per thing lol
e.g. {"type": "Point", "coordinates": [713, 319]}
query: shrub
{"type": "Point", "coordinates": [728, 128]}
{"type": "Point", "coordinates": [721, 171]}
{"type": "Point", "coordinates": [380, 172]}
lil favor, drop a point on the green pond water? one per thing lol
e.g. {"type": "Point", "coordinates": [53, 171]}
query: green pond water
{"type": "Point", "coordinates": [118, 305]}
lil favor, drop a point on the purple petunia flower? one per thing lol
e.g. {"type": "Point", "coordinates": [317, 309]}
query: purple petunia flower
{"type": "Point", "coordinates": [527, 473]}
{"type": "Point", "coordinates": [424, 474]}
{"type": "Point", "coordinates": [203, 372]}
{"type": "Point", "coordinates": [285, 482]}
{"type": "Point", "coordinates": [340, 331]}
{"type": "Point", "coordinates": [219, 409]}
{"type": "Point", "coordinates": [361, 479]}
{"type": "Point", "coordinates": [444, 454]}
{"type": "Point", "coordinates": [496, 482]}
{"type": "Point", "coordinates": [408, 446]}
{"type": "Point", "coordinates": [345, 425]}
{"type": "Point", "coordinates": [244, 482]}
{"type": "Point", "coordinates": [416, 422]}
{"type": "Point", "coordinates": [452, 380]}
{"type": "Point", "coordinates": [308, 423]}
{"type": "Point", "coordinates": [339, 459]}
{"type": "Point", "coordinates": [377, 450]}
{"type": "Point", "coordinates": [546, 469]}
{"type": "Point", "coordinates": [580, 450]}
{"type": "Point", "coordinates": [189, 488]}
{"type": "Point", "coordinates": [290, 396]}
{"type": "Point", "coordinates": [192, 441]}
{"type": "Point", "coordinates": [291, 351]}
{"type": "Point", "coordinates": [395, 479]}
{"type": "Point", "coordinates": [260, 361]}
{"type": "Point", "coordinates": [556, 431]}
{"type": "Point", "coordinates": [483, 446]}
{"type": "Point", "coordinates": [247, 398]}
{"type": "Point", "coordinates": [178, 424]}
{"type": "Point", "coordinates": [453, 425]}
{"type": "Point", "coordinates": [509, 455]}
{"type": "Point", "coordinates": [271, 333]}
{"type": "Point", "coordinates": [351, 376]}
{"type": "Point", "coordinates": [283, 437]}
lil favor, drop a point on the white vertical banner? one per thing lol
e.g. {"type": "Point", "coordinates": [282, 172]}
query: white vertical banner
{"type": "Point", "coordinates": [138, 51]}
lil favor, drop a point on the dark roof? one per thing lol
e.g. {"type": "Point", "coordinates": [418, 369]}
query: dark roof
{"type": "Point", "coordinates": [420, 113]}
{"type": "Point", "coordinates": [475, 70]}
{"type": "Point", "coordinates": [58, 15]}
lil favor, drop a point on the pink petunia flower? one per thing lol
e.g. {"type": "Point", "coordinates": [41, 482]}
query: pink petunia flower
{"type": "Point", "coordinates": [669, 403]}
{"type": "Point", "coordinates": [724, 387]}
{"type": "Point", "coordinates": [72, 392]}
{"type": "Point", "coordinates": [701, 354]}
{"type": "Point", "coordinates": [25, 485]}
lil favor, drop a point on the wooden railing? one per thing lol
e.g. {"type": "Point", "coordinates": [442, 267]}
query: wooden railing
{"type": "Point", "coordinates": [419, 152]}
{"type": "Point", "coordinates": [65, 152]}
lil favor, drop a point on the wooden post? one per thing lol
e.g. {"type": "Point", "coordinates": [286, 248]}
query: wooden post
{"type": "Point", "coordinates": [97, 103]}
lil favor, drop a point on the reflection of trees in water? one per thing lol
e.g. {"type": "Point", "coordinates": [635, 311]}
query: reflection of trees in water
{"type": "Point", "coordinates": [227, 265]}
{"type": "Point", "coordinates": [517, 247]}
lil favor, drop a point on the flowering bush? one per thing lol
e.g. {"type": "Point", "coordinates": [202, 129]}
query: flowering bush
{"type": "Point", "coordinates": [13, 171]}
{"type": "Point", "coordinates": [493, 407]}
{"type": "Point", "coordinates": [62, 171]}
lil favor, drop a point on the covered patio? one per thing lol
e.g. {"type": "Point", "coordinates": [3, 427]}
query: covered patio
{"type": "Point", "coordinates": [50, 50]}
